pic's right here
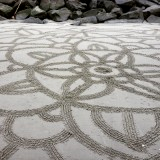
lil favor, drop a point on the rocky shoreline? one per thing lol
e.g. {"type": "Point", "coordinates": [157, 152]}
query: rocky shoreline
{"type": "Point", "coordinates": [92, 11]}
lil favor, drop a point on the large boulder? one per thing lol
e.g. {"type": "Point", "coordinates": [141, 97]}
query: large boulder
{"type": "Point", "coordinates": [76, 14]}
{"type": "Point", "coordinates": [153, 19]}
{"type": "Point", "coordinates": [91, 19]}
{"type": "Point", "coordinates": [6, 10]}
{"type": "Point", "coordinates": [101, 17]}
{"type": "Point", "coordinates": [131, 15]}
{"type": "Point", "coordinates": [9, 2]}
{"type": "Point", "coordinates": [25, 4]}
{"type": "Point", "coordinates": [93, 4]}
{"type": "Point", "coordinates": [76, 5]}
{"type": "Point", "coordinates": [56, 4]}
{"type": "Point", "coordinates": [21, 15]}
{"type": "Point", "coordinates": [146, 3]}
{"type": "Point", "coordinates": [38, 13]}
{"type": "Point", "coordinates": [93, 12]}
{"type": "Point", "coordinates": [125, 3]}
{"type": "Point", "coordinates": [117, 11]}
{"type": "Point", "coordinates": [59, 15]}
{"type": "Point", "coordinates": [45, 4]}
{"type": "Point", "coordinates": [106, 4]}
{"type": "Point", "coordinates": [155, 10]}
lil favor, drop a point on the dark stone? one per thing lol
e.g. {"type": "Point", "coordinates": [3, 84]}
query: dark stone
{"type": "Point", "coordinates": [8, 2]}
{"type": "Point", "coordinates": [45, 4]}
{"type": "Point", "coordinates": [155, 10]}
{"type": "Point", "coordinates": [125, 3]}
{"type": "Point", "coordinates": [76, 14]}
{"type": "Point", "coordinates": [56, 4]}
{"type": "Point", "coordinates": [25, 4]}
{"type": "Point", "coordinates": [101, 17]}
{"type": "Point", "coordinates": [59, 15]}
{"type": "Point", "coordinates": [91, 19]}
{"type": "Point", "coordinates": [106, 4]}
{"type": "Point", "coordinates": [6, 10]}
{"type": "Point", "coordinates": [33, 20]}
{"type": "Point", "coordinates": [153, 19]}
{"type": "Point", "coordinates": [2, 18]}
{"type": "Point", "coordinates": [93, 12]}
{"type": "Point", "coordinates": [21, 15]}
{"type": "Point", "coordinates": [93, 4]}
{"type": "Point", "coordinates": [75, 5]}
{"type": "Point", "coordinates": [131, 15]}
{"type": "Point", "coordinates": [145, 3]}
{"type": "Point", "coordinates": [117, 11]}
{"type": "Point", "coordinates": [38, 13]}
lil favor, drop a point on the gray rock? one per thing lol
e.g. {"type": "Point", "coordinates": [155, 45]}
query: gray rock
{"type": "Point", "coordinates": [101, 17]}
{"type": "Point", "coordinates": [33, 20]}
{"type": "Point", "coordinates": [75, 5]}
{"type": "Point", "coordinates": [21, 15]}
{"type": "Point", "coordinates": [2, 18]}
{"type": "Point", "coordinates": [45, 4]}
{"type": "Point", "coordinates": [59, 15]}
{"type": "Point", "coordinates": [131, 15]}
{"type": "Point", "coordinates": [153, 19]}
{"type": "Point", "coordinates": [38, 13]}
{"type": "Point", "coordinates": [93, 12]}
{"type": "Point", "coordinates": [109, 5]}
{"type": "Point", "coordinates": [5, 10]}
{"type": "Point", "coordinates": [76, 14]}
{"type": "Point", "coordinates": [155, 10]}
{"type": "Point", "coordinates": [106, 4]}
{"type": "Point", "coordinates": [9, 2]}
{"type": "Point", "coordinates": [117, 11]}
{"type": "Point", "coordinates": [93, 4]}
{"type": "Point", "coordinates": [145, 3]}
{"type": "Point", "coordinates": [91, 19]}
{"type": "Point", "coordinates": [56, 4]}
{"type": "Point", "coordinates": [125, 3]}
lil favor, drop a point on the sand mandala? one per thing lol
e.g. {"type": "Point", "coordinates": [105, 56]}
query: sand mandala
{"type": "Point", "coordinates": [79, 93]}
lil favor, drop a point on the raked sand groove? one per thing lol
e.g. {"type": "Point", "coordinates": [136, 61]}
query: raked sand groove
{"type": "Point", "coordinates": [79, 93]}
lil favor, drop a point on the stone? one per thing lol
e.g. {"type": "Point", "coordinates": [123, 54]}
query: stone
{"type": "Point", "coordinates": [45, 5]}
{"type": "Point", "coordinates": [145, 3]}
{"type": "Point", "coordinates": [131, 15]}
{"type": "Point", "coordinates": [106, 4]}
{"type": "Point", "coordinates": [59, 15]}
{"type": "Point", "coordinates": [93, 12]}
{"type": "Point", "coordinates": [153, 19]}
{"type": "Point", "coordinates": [38, 13]}
{"type": "Point", "coordinates": [5, 10]}
{"type": "Point", "coordinates": [2, 18]}
{"type": "Point", "coordinates": [109, 5]}
{"type": "Point", "coordinates": [75, 5]}
{"type": "Point", "coordinates": [91, 19]}
{"type": "Point", "coordinates": [76, 14]}
{"type": "Point", "coordinates": [117, 11]}
{"type": "Point", "coordinates": [21, 15]}
{"type": "Point", "coordinates": [101, 17]}
{"type": "Point", "coordinates": [93, 4]}
{"type": "Point", "coordinates": [125, 3]}
{"type": "Point", "coordinates": [9, 2]}
{"type": "Point", "coordinates": [155, 10]}
{"type": "Point", "coordinates": [33, 20]}
{"type": "Point", "coordinates": [25, 4]}
{"type": "Point", "coordinates": [56, 4]}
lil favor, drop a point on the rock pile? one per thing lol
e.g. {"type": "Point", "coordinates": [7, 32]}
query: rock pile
{"type": "Point", "coordinates": [91, 11]}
